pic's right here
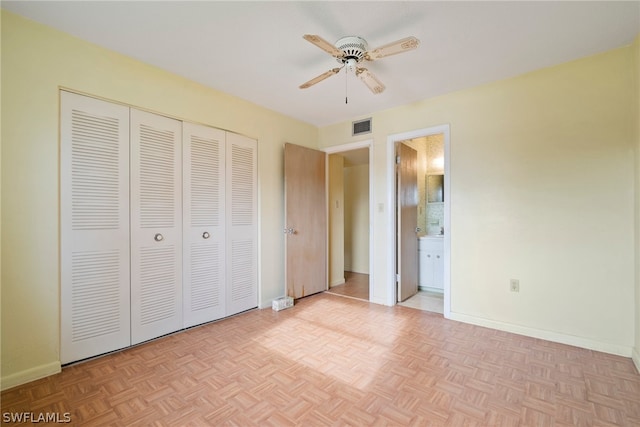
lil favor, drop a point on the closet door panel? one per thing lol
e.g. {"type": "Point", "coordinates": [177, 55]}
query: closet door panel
{"type": "Point", "coordinates": [204, 224]}
{"type": "Point", "coordinates": [242, 227]}
{"type": "Point", "coordinates": [94, 243]}
{"type": "Point", "coordinates": [156, 226]}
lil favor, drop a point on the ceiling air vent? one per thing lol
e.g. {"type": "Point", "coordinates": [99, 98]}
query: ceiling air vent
{"type": "Point", "coordinates": [361, 126]}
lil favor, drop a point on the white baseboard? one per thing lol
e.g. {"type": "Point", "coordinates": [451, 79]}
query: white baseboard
{"type": "Point", "coordinates": [619, 350]}
{"type": "Point", "coordinates": [264, 304]}
{"type": "Point", "coordinates": [337, 282]}
{"type": "Point", "coordinates": [635, 356]}
{"type": "Point", "coordinates": [29, 375]}
{"type": "Point", "coordinates": [428, 289]}
{"type": "Point", "coordinates": [380, 301]}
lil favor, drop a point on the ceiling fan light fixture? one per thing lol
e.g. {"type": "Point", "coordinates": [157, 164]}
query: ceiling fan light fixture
{"type": "Point", "coordinates": [350, 64]}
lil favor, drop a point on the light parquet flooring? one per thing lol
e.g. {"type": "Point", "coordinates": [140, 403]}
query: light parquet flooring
{"type": "Point", "coordinates": [339, 361]}
{"type": "Point", "coordinates": [356, 286]}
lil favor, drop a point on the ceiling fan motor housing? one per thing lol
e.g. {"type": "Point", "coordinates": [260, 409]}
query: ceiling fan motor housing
{"type": "Point", "coordinates": [354, 49]}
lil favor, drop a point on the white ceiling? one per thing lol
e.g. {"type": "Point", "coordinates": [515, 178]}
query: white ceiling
{"type": "Point", "coordinates": [255, 50]}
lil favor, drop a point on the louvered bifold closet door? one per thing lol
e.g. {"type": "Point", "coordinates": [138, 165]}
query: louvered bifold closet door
{"type": "Point", "coordinates": [204, 224]}
{"type": "Point", "coordinates": [242, 227]}
{"type": "Point", "coordinates": [156, 226]}
{"type": "Point", "coordinates": [94, 221]}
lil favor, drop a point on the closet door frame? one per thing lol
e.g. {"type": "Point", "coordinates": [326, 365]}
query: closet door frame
{"type": "Point", "coordinates": [149, 257]}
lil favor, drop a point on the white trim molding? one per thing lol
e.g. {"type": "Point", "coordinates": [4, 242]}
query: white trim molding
{"type": "Point", "coordinates": [368, 144]}
{"type": "Point", "coordinates": [391, 219]}
{"type": "Point", "coordinates": [31, 374]}
{"type": "Point", "coordinates": [619, 350]}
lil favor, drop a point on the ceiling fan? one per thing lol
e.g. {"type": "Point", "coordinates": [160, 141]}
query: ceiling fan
{"type": "Point", "coordinates": [350, 51]}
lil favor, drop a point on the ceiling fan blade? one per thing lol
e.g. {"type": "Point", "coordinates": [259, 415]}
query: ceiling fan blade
{"type": "Point", "coordinates": [370, 80]}
{"type": "Point", "coordinates": [324, 45]}
{"type": "Point", "coordinates": [320, 78]}
{"type": "Point", "coordinates": [403, 45]}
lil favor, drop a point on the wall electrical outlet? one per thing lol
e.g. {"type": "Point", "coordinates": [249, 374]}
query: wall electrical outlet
{"type": "Point", "coordinates": [514, 285]}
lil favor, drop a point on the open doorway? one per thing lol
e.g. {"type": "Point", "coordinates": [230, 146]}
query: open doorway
{"type": "Point", "coordinates": [427, 249]}
{"type": "Point", "coordinates": [349, 214]}
{"type": "Point", "coordinates": [431, 254]}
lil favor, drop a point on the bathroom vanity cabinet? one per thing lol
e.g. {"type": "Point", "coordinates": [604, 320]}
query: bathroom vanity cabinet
{"type": "Point", "coordinates": [431, 263]}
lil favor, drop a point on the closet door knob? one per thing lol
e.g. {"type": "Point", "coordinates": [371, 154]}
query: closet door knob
{"type": "Point", "coordinates": [206, 235]}
{"type": "Point", "coordinates": [158, 237]}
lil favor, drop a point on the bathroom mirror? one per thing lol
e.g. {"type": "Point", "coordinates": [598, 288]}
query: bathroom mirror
{"type": "Point", "coordinates": [435, 188]}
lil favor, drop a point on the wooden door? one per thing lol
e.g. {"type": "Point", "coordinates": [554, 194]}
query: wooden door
{"type": "Point", "coordinates": [305, 221]}
{"type": "Point", "coordinates": [203, 207]}
{"type": "Point", "coordinates": [407, 218]}
{"type": "Point", "coordinates": [156, 226]}
{"type": "Point", "coordinates": [94, 216]}
{"type": "Point", "coordinates": [242, 224]}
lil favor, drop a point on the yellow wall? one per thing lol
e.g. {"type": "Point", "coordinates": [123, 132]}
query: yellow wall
{"type": "Point", "coordinates": [336, 220]}
{"type": "Point", "coordinates": [542, 181]}
{"type": "Point", "coordinates": [356, 219]}
{"type": "Point", "coordinates": [36, 61]}
{"type": "Point", "coordinates": [542, 177]}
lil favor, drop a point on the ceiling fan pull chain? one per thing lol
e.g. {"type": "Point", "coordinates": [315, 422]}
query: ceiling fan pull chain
{"type": "Point", "coordinates": [346, 78]}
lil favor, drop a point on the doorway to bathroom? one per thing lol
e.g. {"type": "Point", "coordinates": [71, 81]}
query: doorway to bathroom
{"type": "Point", "coordinates": [421, 221]}
{"type": "Point", "coordinates": [349, 213]}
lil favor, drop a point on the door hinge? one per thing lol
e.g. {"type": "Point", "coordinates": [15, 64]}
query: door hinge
{"type": "Point", "coordinates": [398, 278]}
{"type": "Point", "coordinates": [397, 160]}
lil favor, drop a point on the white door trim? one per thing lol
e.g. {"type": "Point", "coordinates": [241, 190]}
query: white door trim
{"type": "Point", "coordinates": [391, 220]}
{"type": "Point", "coordinates": [368, 143]}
